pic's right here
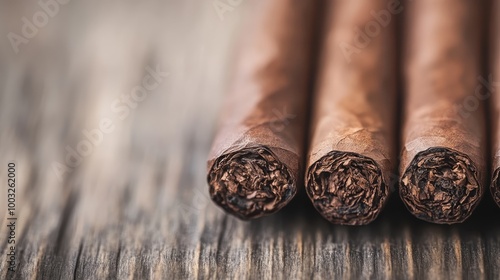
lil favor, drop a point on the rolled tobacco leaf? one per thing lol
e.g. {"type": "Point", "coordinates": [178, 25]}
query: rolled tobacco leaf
{"type": "Point", "coordinates": [492, 88]}
{"type": "Point", "coordinates": [443, 158]}
{"type": "Point", "coordinates": [255, 162]}
{"type": "Point", "coordinates": [351, 158]}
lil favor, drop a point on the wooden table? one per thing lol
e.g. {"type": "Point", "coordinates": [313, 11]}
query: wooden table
{"type": "Point", "coordinates": [133, 203]}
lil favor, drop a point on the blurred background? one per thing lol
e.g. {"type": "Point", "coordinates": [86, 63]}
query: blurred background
{"type": "Point", "coordinates": [108, 109]}
{"type": "Point", "coordinates": [153, 73]}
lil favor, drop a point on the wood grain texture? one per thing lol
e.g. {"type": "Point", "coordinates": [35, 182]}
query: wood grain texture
{"type": "Point", "coordinates": [137, 206]}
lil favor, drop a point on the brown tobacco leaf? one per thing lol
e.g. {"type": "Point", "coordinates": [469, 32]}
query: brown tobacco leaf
{"type": "Point", "coordinates": [347, 188]}
{"type": "Point", "coordinates": [441, 186]}
{"type": "Point", "coordinates": [251, 183]}
{"type": "Point", "coordinates": [255, 160]}
{"type": "Point", "coordinates": [495, 186]}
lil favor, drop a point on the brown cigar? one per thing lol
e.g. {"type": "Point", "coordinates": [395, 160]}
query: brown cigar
{"type": "Point", "coordinates": [491, 88]}
{"type": "Point", "coordinates": [352, 152]}
{"type": "Point", "coordinates": [443, 159]}
{"type": "Point", "coordinates": [256, 159]}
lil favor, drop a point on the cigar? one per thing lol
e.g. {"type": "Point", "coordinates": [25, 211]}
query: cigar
{"type": "Point", "coordinates": [352, 148]}
{"type": "Point", "coordinates": [443, 157]}
{"type": "Point", "coordinates": [491, 86]}
{"type": "Point", "coordinates": [255, 162]}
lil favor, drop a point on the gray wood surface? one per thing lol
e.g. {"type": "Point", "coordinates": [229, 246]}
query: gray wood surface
{"type": "Point", "coordinates": [136, 207]}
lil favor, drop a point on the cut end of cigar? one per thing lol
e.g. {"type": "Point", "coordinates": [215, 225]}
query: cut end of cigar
{"type": "Point", "coordinates": [251, 183]}
{"type": "Point", "coordinates": [441, 186]}
{"type": "Point", "coordinates": [347, 188]}
{"type": "Point", "coordinates": [495, 186]}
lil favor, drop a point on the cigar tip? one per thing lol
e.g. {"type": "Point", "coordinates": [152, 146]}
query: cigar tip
{"type": "Point", "coordinates": [495, 186]}
{"type": "Point", "coordinates": [441, 186]}
{"type": "Point", "coordinates": [347, 188]}
{"type": "Point", "coordinates": [251, 183]}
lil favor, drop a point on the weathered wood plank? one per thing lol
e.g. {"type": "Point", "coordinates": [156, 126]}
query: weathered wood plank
{"type": "Point", "coordinates": [137, 206]}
